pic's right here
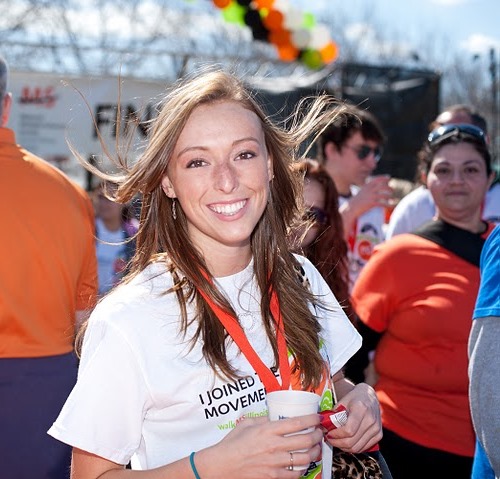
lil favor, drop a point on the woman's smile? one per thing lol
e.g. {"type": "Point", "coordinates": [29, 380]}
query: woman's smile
{"type": "Point", "coordinates": [228, 209]}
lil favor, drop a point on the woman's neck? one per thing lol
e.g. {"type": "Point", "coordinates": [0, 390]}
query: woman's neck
{"type": "Point", "coordinates": [474, 225]}
{"type": "Point", "coordinates": [228, 262]}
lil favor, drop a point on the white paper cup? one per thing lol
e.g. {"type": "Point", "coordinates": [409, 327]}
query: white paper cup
{"type": "Point", "coordinates": [289, 403]}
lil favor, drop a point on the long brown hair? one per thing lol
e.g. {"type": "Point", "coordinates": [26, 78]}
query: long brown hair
{"type": "Point", "coordinates": [328, 251]}
{"type": "Point", "coordinates": [162, 236]}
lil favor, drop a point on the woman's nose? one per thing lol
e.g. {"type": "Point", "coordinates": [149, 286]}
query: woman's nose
{"type": "Point", "coordinates": [225, 177]}
{"type": "Point", "coordinates": [457, 176]}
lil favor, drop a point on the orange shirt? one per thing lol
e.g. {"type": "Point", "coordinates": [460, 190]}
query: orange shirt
{"type": "Point", "coordinates": [48, 267]}
{"type": "Point", "coordinates": [421, 297]}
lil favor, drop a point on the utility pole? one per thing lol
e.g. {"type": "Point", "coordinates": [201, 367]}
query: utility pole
{"type": "Point", "coordinates": [494, 105]}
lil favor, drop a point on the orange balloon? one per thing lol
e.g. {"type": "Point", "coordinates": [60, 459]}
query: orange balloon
{"type": "Point", "coordinates": [273, 20]}
{"type": "Point", "coordinates": [279, 37]}
{"type": "Point", "coordinates": [288, 53]}
{"type": "Point", "coordinates": [264, 3]}
{"type": "Point", "coordinates": [329, 52]}
{"type": "Point", "coordinates": [222, 3]}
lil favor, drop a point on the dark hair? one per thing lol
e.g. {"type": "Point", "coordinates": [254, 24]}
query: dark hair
{"type": "Point", "coordinates": [351, 120]}
{"type": "Point", "coordinates": [455, 134]}
{"type": "Point", "coordinates": [328, 251]}
{"type": "Point", "coordinates": [475, 118]}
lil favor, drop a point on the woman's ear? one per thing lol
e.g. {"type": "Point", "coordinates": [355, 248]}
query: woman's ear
{"type": "Point", "coordinates": [491, 178]}
{"type": "Point", "coordinates": [167, 187]}
{"type": "Point", "coordinates": [270, 171]}
{"type": "Point", "coordinates": [5, 109]}
{"type": "Point", "coordinates": [423, 178]}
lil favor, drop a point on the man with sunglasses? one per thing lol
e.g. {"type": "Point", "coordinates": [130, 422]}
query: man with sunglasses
{"type": "Point", "coordinates": [349, 150]}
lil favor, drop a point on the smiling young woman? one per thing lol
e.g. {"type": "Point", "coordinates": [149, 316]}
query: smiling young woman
{"type": "Point", "coordinates": [178, 359]}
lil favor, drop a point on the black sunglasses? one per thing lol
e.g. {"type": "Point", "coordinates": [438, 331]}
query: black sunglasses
{"type": "Point", "coordinates": [459, 131]}
{"type": "Point", "coordinates": [317, 215]}
{"type": "Point", "coordinates": [363, 151]}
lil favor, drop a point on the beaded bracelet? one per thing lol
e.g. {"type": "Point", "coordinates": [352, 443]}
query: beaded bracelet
{"type": "Point", "coordinates": [193, 467]}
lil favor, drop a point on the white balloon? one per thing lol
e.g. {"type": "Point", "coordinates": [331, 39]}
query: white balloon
{"type": "Point", "coordinates": [301, 38]}
{"type": "Point", "coordinates": [293, 18]}
{"type": "Point", "coordinates": [320, 36]}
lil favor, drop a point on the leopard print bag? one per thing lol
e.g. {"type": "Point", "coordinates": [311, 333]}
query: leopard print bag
{"type": "Point", "coordinates": [346, 465]}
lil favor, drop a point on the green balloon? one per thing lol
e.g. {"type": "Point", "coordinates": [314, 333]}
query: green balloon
{"type": "Point", "coordinates": [308, 20]}
{"type": "Point", "coordinates": [234, 13]}
{"type": "Point", "coordinates": [312, 59]}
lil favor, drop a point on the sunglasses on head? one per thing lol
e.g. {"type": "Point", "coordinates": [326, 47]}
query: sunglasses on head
{"type": "Point", "coordinates": [363, 151]}
{"type": "Point", "coordinates": [317, 215]}
{"type": "Point", "coordinates": [459, 131]}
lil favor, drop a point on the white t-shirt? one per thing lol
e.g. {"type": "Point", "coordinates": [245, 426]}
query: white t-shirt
{"type": "Point", "coordinates": [418, 207]}
{"type": "Point", "coordinates": [491, 211]}
{"type": "Point", "coordinates": [142, 392]}
{"type": "Point", "coordinates": [415, 209]}
{"type": "Point", "coordinates": [368, 232]}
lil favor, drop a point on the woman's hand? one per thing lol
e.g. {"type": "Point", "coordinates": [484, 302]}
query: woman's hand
{"type": "Point", "coordinates": [363, 428]}
{"type": "Point", "coordinates": [258, 449]}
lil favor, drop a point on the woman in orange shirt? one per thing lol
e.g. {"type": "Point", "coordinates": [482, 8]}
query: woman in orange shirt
{"type": "Point", "coordinates": [415, 300]}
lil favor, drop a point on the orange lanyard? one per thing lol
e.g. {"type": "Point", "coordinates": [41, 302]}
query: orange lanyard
{"type": "Point", "coordinates": [236, 332]}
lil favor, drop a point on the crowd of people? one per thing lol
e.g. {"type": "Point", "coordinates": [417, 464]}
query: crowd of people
{"type": "Point", "coordinates": [144, 345]}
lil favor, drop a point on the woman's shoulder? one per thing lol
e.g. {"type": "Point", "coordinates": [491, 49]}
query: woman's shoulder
{"type": "Point", "coordinates": [141, 312]}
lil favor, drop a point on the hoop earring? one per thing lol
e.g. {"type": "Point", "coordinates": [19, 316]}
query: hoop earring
{"type": "Point", "coordinates": [174, 209]}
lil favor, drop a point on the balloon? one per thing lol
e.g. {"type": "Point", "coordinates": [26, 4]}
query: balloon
{"type": "Point", "coordinates": [301, 38]}
{"type": "Point", "coordinates": [252, 18]}
{"type": "Point", "coordinates": [293, 18]}
{"type": "Point", "coordinates": [280, 37]}
{"type": "Point", "coordinates": [254, 21]}
{"type": "Point", "coordinates": [329, 52]}
{"type": "Point", "coordinates": [320, 36]}
{"type": "Point", "coordinates": [234, 13]}
{"type": "Point", "coordinates": [260, 33]}
{"type": "Point", "coordinates": [273, 20]}
{"type": "Point", "coordinates": [288, 53]}
{"type": "Point", "coordinates": [222, 3]}
{"type": "Point", "coordinates": [264, 3]}
{"type": "Point", "coordinates": [311, 58]}
{"type": "Point", "coordinates": [308, 20]}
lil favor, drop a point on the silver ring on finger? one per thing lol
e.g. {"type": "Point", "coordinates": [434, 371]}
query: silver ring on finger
{"type": "Point", "coordinates": [290, 466]}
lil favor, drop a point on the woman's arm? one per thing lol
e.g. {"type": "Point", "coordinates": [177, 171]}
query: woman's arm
{"type": "Point", "coordinates": [355, 367]}
{"type": "Point", "coordinates": [256, 448]}
{"type": "Point", "coordinates": [85, 465]}
{"type": "Point", "coordinates": [363, 429]}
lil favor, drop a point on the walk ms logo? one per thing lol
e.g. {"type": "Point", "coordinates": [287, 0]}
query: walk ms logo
{"type": "Point", "coordinates": [39, 96]}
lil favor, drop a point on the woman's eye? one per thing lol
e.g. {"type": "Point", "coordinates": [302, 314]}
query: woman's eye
{"type": "Point", "coordinates": [441, 171]}
{"type": "Point", "coordinates": [471, 170]}
{"type": "Point", "coordinates": [246, 155]}
{"type": "Point", "coordinates": [195, 163]}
